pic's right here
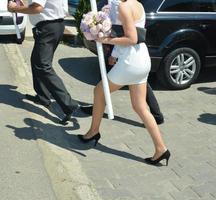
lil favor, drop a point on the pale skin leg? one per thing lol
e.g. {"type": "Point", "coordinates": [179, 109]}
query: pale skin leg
{"type": "Point", "coordinates": [138, 97]}
{"type": "Point", "coordinates": [98, 107]}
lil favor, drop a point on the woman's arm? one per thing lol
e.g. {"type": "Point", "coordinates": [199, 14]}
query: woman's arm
{"type": "Point", "coordinates": [130, 37]}
{"type": "Point", "coordinates": [34, 8]}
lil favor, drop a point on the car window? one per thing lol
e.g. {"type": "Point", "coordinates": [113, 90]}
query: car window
{"type": "Point", "coordinates": [177, 6]}
{"type": "Point", "coordinates": [206, 6]}
{"type": "Point", "coordinates": [150, 5]}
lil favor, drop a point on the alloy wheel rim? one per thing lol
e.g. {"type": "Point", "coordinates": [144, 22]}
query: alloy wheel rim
{"type": "Point", "coordinates": [182, 68]}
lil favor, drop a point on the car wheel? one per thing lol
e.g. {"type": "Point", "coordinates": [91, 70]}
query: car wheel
{"type": "Point", "coordinates": [179, 68]}
{"type": "Point", "coordinates": [20, 41]}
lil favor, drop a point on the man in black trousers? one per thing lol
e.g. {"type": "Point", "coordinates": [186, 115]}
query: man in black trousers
{"type": "Point", "coordinates": [47, 18]}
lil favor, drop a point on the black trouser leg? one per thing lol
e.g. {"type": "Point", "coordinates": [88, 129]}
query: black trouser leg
{"type": "Point", "coordinates": [152, 103]}
{"type": "Point", "coordinates": [40, 89]}
{"type": "Point", "coordinates": [46, 81]}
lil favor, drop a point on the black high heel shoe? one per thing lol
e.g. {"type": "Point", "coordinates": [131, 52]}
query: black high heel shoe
{"type": "Point", "coordinates": [164, 156]}
{"type": "Point", "coordinates": [95, 137]}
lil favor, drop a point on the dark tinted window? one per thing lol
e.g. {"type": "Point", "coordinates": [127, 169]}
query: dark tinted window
{"type": "Point", "coordinates": [206, 5]}
{"type": "Point", "coordinates": [178, 6]}
{"type": "Point", "coordinates": [150, 5]}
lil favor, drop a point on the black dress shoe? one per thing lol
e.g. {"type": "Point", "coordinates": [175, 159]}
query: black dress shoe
{"type": "Point", "coordinates": [159, 120]}
{"type": "Point", "coordinates": [68, 116]}
{"type": "Point", "coordinates": [66, 119]}
{"type": "Point", "coordinates": [87, 109]}
{"type": "Point", "coordinates": [37, 100]}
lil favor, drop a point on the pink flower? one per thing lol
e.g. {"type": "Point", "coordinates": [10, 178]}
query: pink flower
{"type": "Point", "coordinates": [89, 18]}
{"type": "Point", "coordinates": [106, 9]}
{"type": "Point", "coordinates": [96, 25]}
{"type": "Point", "coordinates": [99, 26]}
{"type": "Point", "coordinates": [89, 36]}
{"type": "Point", "coordinates": [106, 25]}
{"type": "Point", "coordinates": [94, 30]}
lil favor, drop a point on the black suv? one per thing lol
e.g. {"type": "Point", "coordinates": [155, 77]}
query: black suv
{"type": "Point", "coordinates": [181, 38]}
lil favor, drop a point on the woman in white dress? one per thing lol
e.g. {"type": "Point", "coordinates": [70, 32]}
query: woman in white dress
{"type": "Point", "coordinates": [132, 66]}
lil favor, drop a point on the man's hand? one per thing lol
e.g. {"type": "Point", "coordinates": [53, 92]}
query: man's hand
{"type": "Point", "coordinates": [112, 60]}
{"type": "Point", "coordinates": [11, 6]}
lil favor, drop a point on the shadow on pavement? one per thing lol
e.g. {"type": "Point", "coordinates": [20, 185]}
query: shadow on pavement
{"type": "Point", "coordinates": [207, 118]}
{"type": "Point", "coordinates": [84, 69]}
{"type": "Point", "coordinates": [9, 96]}
{"type": "Point", "coordinates": [6, 39]}
{"type": "Point", "coordinates": [48, 132]}
{"type": "Point", "coordinates": [75, 143]}
{"type": "Point", "coordinates": [207, 90]}
{"type": "Point", "coordinates": [58, 136]}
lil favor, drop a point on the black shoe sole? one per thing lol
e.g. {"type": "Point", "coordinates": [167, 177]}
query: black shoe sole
{"type": "Point", "coordinates": [36, 100]}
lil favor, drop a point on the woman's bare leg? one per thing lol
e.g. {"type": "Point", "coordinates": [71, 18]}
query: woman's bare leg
{"type": "Point", "coordinates": [138, 100]}
{"type": "Point", "coordinates": [98, 107]}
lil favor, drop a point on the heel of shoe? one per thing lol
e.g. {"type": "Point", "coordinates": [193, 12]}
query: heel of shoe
{"type": "Point", "coordinates": [167, 157]}
{"type": "Point", "coordinates": [164, 156]}
{"type": "Point", "coordinates": [167, 161]}
{"type": "Point", "coordinates": [97, 138]}
{"type": "Point", "coordinates": [95, 144]}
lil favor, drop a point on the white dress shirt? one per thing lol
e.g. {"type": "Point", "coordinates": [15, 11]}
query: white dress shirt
{"type": "Point", "coordinates": [53, 9]}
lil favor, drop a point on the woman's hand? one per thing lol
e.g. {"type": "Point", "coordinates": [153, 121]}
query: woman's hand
{"type": "Point", "coordinates": [103, 40]}
{"type": "Point", "coordinates": [112, 60]}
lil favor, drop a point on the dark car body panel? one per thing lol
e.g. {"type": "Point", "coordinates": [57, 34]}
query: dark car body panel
{"type": "Point", "coordinates": [168, 30]}
{"type": "Point", "coordinates": [6, 20]}
{"type": "Point", "coordinates": [186, 29]}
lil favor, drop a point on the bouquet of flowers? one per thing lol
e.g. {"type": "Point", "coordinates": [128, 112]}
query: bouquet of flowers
{"type": "Point", "coordinates": [96, 25]}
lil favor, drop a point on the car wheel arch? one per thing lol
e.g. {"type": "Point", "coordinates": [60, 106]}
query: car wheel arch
{"type": "Point", "coordinates": [184, 37]}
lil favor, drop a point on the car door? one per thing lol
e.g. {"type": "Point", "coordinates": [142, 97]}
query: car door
{"type": "Point", "coordinates": [206, 20]}
{"type": "Point", "coordinates": [3, 6]}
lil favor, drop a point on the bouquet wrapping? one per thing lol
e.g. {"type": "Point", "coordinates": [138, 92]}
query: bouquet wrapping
{"type": "Point", "coordinates": [96, 25]}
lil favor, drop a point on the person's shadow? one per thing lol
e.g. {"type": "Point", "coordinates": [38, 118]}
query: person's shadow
{"type": "Point", "coordinates": [84, 69]}
{"type": "Point", "coordinates": [208, 90]}
{"type": "Point", "coordinates": [10, 96]}
{"type": "Point", "coordinates": [59, 136]}
{"type": "Point", "coordinates": [207, 118]}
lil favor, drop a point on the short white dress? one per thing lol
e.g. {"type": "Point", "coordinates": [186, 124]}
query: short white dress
{"type": "Point", "coordinates": [134, 63]}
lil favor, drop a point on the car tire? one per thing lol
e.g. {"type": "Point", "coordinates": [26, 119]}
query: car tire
{"type": "Point", "coordinates": [179, 68]}
{"type": "Point", "coordinates": [20, 41]}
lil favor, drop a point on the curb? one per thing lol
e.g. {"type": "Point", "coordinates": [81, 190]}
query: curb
{"type": "Point", "coordinates": [67, 178]}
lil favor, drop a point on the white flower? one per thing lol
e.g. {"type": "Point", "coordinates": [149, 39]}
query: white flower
{"type": "Point", "coordinates": [94, 30]}
{"type": "Point", "coordinates": [106, 25]}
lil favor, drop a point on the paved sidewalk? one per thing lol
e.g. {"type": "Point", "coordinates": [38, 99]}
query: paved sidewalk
{"type": "Point", "coordinates": [22, 175]}
{"type": "Point", "coordinates": [115, 166]}
{"type": "Point", "coordinates": [114, 170]}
